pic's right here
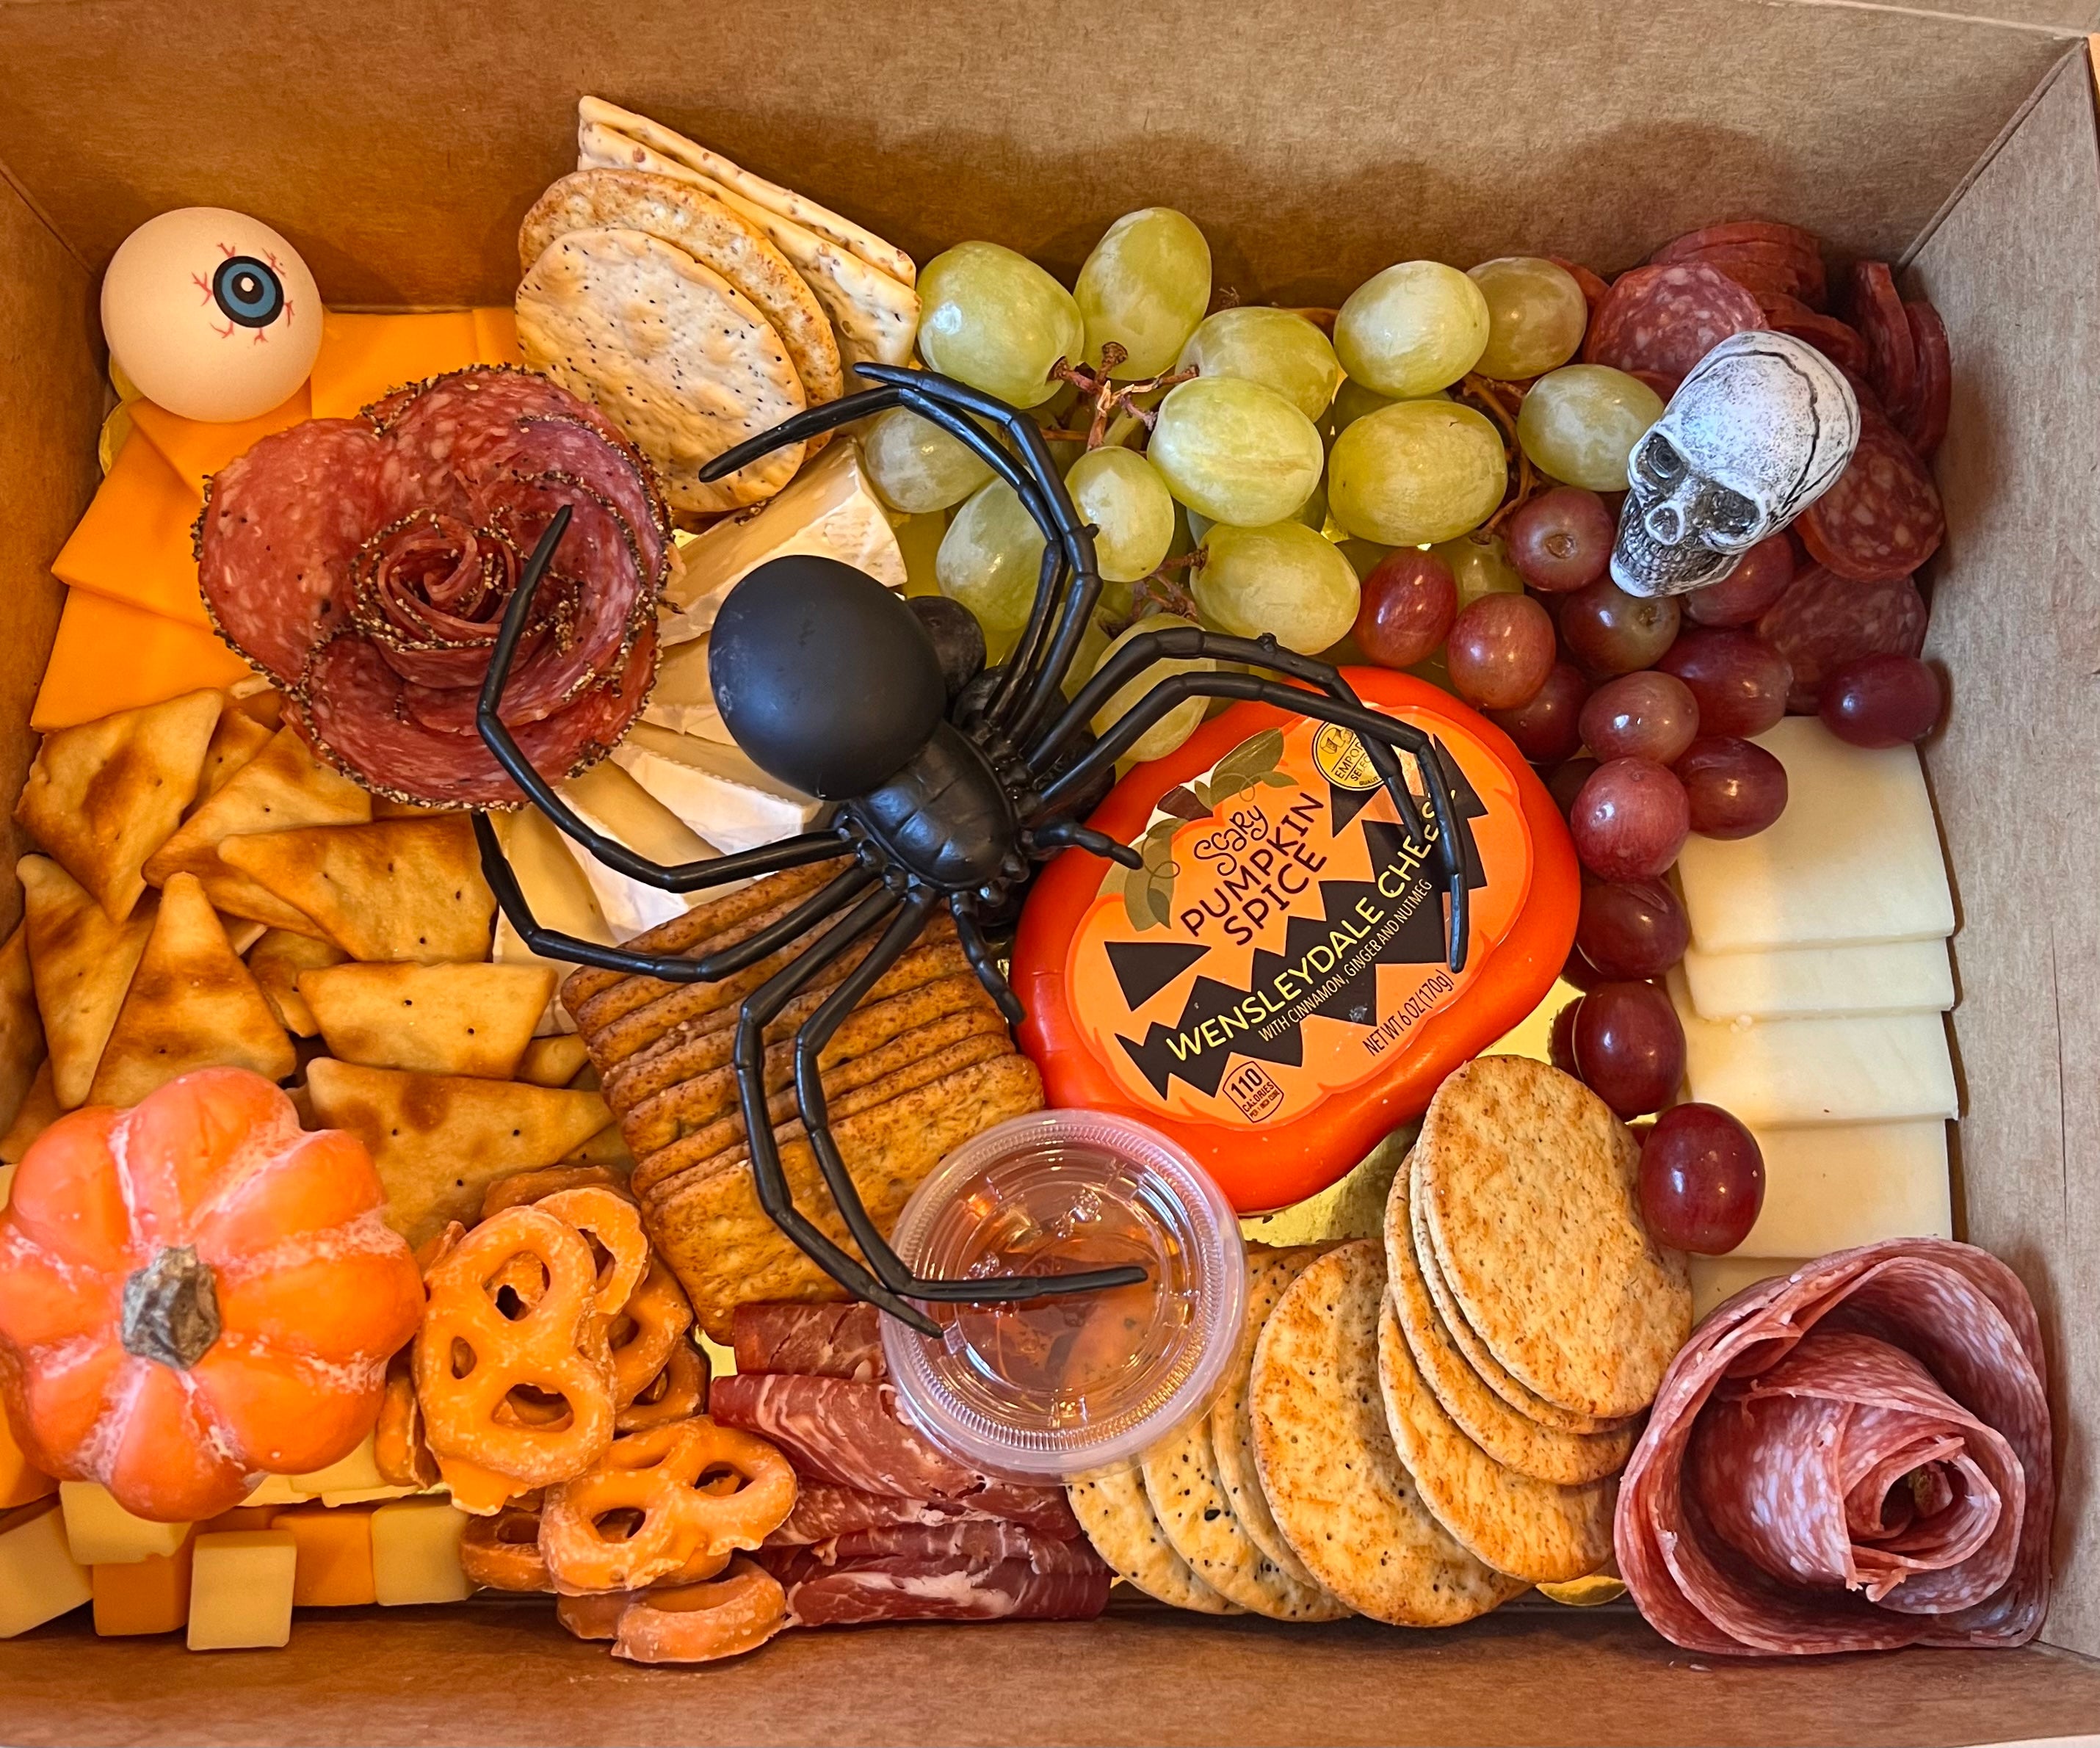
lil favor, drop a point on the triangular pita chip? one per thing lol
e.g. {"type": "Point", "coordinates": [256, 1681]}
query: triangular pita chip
{"type": "Point", "coordinates": [440, 1140]}
{"type": "Point", "coordinates": [101, 797]}
{"type": "Point", "coordinates": [433, 1019]}
{"type": "Point", "coordinates": [21, 1029]}
{"type": "Point", "coordinates": [277, 960]}
{"type": "Point", "coordinates": [40, 1110]}
{"type": "Point", "coordinates": [284, 786]}
{"type": "Point", "coordinates": [192, 1004]}
{"type": "Point", "coordinates": [396, 889]}
{"type": "Point", "coordinates": [238, 739]}
{"type": "Point", "coordinates": [81, 963]}
{"type": "Point", "coordinates": [553, 1062]}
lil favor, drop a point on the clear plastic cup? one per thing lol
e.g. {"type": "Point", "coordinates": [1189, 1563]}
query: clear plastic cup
{"type": "Point", "coordinates": [1052, 1387]}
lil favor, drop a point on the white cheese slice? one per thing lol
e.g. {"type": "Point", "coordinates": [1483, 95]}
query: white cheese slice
{"type": "Point", "coordinates": [558, 895]}
{"type": "Point", "coordinates": [829, 509]}
{"type": "Point", "coordinates": [714, 789]}
{"type": "Point", "coordinates": [1854, 857]}
{"type": "Point", "coordinates": [1714, 1279]}
{"type": "Point", "coordinates": [1840, 1184]}
{"type": "Point", "coordinates": [606, 798]}
{"type": "Point", "coordinates": [1810, 983]}
{"type": "Point", "coordinates": [683, 699]}
{"type": "Point", "coordinates": [1862, 1068]}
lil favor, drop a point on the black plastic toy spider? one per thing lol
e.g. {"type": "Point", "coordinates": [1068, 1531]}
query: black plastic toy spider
{"type": "Point", "coordinates": [944, 793]}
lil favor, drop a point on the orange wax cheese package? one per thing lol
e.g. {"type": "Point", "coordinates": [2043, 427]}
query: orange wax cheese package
{"type": "Point", "coordinates": [110, 656]}
{"type": "Point", "coordinates": [148, 1595]}
{"type": "Point", "coordinates": [1271, 988]}
{"type": "Point", "coordinates": [334, 1567]}
{"type": "Point", "coordinates": [133, 544]}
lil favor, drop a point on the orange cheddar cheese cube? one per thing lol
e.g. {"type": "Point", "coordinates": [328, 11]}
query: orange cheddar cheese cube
{"type": "Point", "coordinates": [196, 450]}
{"type": "Point", "coordinates": [241, 1589]}
{"type": "Point", "coordinates": [39, 1578]}
{"type": "Point", "coordinates": [334, 1569]}
{"type": "Point", "coordinates": [111, 656]}
{"type": "Point", "coordinates": [133, 544]}
{"type": "Point", "coordinates": [146, 1595]}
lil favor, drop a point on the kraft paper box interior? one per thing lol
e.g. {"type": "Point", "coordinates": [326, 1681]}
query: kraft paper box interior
{"type": "Point", "coordinates": [397, 144]}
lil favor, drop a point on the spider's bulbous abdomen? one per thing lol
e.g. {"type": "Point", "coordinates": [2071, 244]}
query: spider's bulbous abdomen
{"type": "Point", "coordinates": [946, 817]}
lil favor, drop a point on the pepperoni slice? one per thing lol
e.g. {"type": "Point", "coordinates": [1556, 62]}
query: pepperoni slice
{"type": "Point", "coordinates": [1878, 312]}
{"type": "Point", "coordinates": [1925, 420]}
{"type": "Point", "coordinates": [1882, 518]}
{"type": "Point", "coordinates": [1767, 267]}
{"type": "Point", "coordinates": [1824, 622]}
{"type": "Point", "coordinates": [1666, 319]}
{"type": "Point", "coordinates": [1738, 231]}
{"type": "Point", "coordinates": [1593, 288]}
{"type": "Point", "coordinates": [1837, 340]}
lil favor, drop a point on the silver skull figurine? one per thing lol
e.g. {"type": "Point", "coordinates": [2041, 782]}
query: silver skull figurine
{"type": "Point", "coordinates": [1760, 430]}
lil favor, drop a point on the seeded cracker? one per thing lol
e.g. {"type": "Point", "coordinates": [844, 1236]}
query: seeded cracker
{"type": "Point", "coordinates": [670, 351]}
{"type": "Point", "coordinates": [1112, 1509]}
{"type": "Point", "coordinates": [1527, 1185]}
{"type": "Point", "coordinates": [1341, 1495]}
{"type": "Point", "coordinates": [1512, 1439]}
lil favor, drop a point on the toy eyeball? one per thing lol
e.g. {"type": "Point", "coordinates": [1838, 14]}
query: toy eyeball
{"type": "Point", "coordinates": [211, 312]}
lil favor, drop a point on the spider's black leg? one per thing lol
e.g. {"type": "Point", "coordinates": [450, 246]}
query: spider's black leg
{"type": "Point", "coordinates": [1063, 833]}
{"type": "Point", "coordinates": [1378, 734]}
{"type": "Point", "coordinates": [810, 1042]}
{"type": "Point", "coordinates": [812, 422]}
{"type": "Point", "coordinates": [978, 950]}
{"type": "Point", "coordinates": [759, 1010]}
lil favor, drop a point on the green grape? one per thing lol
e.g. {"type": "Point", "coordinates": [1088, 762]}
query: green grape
{"type": "Point", "coordinates": [1236, 451]}
{"type": "Point", "coordinates": [914, 466]}
{"type": "Point", "coordinates": [1145, 286]}
{"type": "Point", "coordinates": [993, 319]}
{"type": "Point", "coordinates": [1415, 327]}
{"type": "Point", "coordinates": [1279, 349]}
{"type": "Point", "coordinates": [1352, 400]}
{"type": "Point", "coordinates": [1480, 566]}
{"type": "Point", "coordinates": [918, 540]}
{"type": "Point", "coordinates": [1536, 316]}
{"type": "Point", "coordinates": [1123, 495]}
{"type": "Point", "coordinates": [1093, 644]}
{"type": "Point", "coordinates": [1415, 473]}
{"type": "Point", "coordinates": [1580, 423]}
{"type": "Point", "coordinates": [1283, 579]}
{"type": "Point", "coordinates": [1313, 511]}
{"type": "Point", "coordinates": [990, 558]}
{"type": "Point", "coordinates": [1198, 524]}
{"type": "Point", "coordinates": [1181, 722]}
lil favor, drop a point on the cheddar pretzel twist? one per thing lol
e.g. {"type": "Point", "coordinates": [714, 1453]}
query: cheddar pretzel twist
{"type": "Point", "coordinates": [612, 1221]}
{"type": "Point", "coordinates": [502, 1553]}
{"type": "Point", "coordinates": [677, 1393]}
{"type": "Point", "coordinates": [650, 1327]}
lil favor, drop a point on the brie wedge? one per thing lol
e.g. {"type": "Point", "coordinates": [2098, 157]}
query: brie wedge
{"type": "Point", "coordinates": [683, 699]}
{"type": "Point", "coordinates": [608, 799]}
{"type": "Point", "coordinates": [555, 892]}
{"type": "Point", "coordinates": [714, 789]}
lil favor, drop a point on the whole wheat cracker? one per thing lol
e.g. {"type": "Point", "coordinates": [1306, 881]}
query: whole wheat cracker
{"type": "Point", "coordinates": [1115, 1511]}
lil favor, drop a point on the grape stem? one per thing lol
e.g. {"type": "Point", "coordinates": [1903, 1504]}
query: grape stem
{"type": "Point", "coordinates": [1162, 592]}
{"type": "Point", "coordinates": [1488, 395]}
{"type": "Point", "coordinates": [1320, 316]}
{"type": "Point", "coordinates": [1109, 398]}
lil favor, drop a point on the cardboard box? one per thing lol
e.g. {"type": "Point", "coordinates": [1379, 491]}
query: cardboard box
{"type": "Point", "coordinates": [397, 144]}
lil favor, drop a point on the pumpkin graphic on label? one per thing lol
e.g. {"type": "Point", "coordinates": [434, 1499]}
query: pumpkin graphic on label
{"type": "Point", "coordinates": [1271, 986]}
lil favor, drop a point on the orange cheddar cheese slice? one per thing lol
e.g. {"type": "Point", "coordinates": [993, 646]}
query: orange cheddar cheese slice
{"type": "Point", "coordinates": [134, 543]}
{"type": "Point", "coordinates": [196, 450]}
{"type": "Point", "coordinates": [495, 336]}
{"type": "Point", "coordinates": [111, 656]}
{"type": "Point", "coordinates": [334, 1569]}
{"type": "Point", "coordinates": [146, 1595]}
{"type": "Point", "coordinates": [364, 356]}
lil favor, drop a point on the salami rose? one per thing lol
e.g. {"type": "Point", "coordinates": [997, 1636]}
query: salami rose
{"type": "Point", "coordinates": [1853, 1458]}
{"type": "Point", "coordinates": [365, 565]}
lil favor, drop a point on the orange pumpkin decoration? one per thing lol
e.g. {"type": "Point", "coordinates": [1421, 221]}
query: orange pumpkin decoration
{"type": "Point", "coordinates": [195, 1292]}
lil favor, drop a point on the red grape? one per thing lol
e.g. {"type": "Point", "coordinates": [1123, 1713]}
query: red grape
{"type": "Point", "coordinates": [1500, 651]}
{"type": "Point", "coordinates": [1702, 1179]}
{"type": "Point", "coordinates": [1567, 782]}
{"type": "Point", "coordinates": [1631, 819]}
{"type": "Point", "coordinates": [1632, 929]}
{"type": "Point", "coordinates": [1735, 789]}
{"type": "Point", "coordinates": [1561, 539]}
{"type": "Point", "coordinates": [1643, 715]}
{"type": "Point", "coordinates": [1881, 701]}
{"type": "Point", "coordinates": [1739, 680]}
{"type": "Point", "coordinates": [1629, 1046]}
{"type": "Point", "coordinates": [1612, 632]}
{"type": "Point", "coordinates": [1409, 600]}
{"type": "Point", "coordinates": [1759, 578]}
{"type": "Point", "coordinates": [1560, 1052]}
{"type": "Point", "coordinates": [1548, 728]}
{"type": "Point", "coordinates": [1579, 972]}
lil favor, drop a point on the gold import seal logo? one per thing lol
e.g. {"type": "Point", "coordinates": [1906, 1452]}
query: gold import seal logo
{"type": "Point", "coordinates": [1341, 758]}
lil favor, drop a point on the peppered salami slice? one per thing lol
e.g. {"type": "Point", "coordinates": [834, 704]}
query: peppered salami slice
{"type": "Point", "coordinates": [1738, 231]}
{"type": "Point", "coordinates": [1838, 341]}
{"type": "Point", "coordinates": [1595, 290]}
{"type": "Point", "coordinates": [1666, 319]}
{"type": "Point", "coordinates": [1878, 312]}
{"type": "Point", "coordinates": [1882, 517]}
{"type": "Point", "coordinates": [1766, 267]}
{"type": "Point", "coordinates": [1923, 420]}
{"type": "Point", "coordinates": [1824, 622]}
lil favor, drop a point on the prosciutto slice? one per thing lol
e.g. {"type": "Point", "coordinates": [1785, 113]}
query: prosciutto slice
{"type": "Point", "coordinates": [1854, 1458]}
{"type": "Point", "coordinates": [820, 1340]}
{"type": "Point", "coordinates": [824, 1512]}
{"type": "Point", "coordinates": [962, 1571]}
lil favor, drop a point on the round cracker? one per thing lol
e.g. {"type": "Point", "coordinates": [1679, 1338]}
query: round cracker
{"type": "Point", "coordinates": [1485, 1364]}
{"type": "Point", "coordinates": [1333, 1477]}
{"type": "Point", "coordinates": [1188, 1499]}
{"type": "Point", "coordinates": [670, 351]}
{"type": "Point", "coordinates": [1512, 1439]}
{"type": "Point", "coordinates": [677, 214]}
{"type": "Point", "coordinates": [1530, 1528]}
{"type": "Point", "coordinates": [1232, 1426]}
{"type": "Point", "coordinates": [1527, 1184]}
{"type": "Point", "coordinates": [1113, 1510]}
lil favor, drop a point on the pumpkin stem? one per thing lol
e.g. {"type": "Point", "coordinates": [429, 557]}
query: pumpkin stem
{"type": "Point", "coordinates": [171, 1309]}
